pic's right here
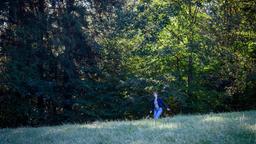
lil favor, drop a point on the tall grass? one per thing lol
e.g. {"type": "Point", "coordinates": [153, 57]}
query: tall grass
{"type": "Point", "coordinates": [223, 128]}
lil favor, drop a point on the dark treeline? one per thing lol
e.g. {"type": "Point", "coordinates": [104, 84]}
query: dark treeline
{"type": "Point", "coordinates": [84, 60]}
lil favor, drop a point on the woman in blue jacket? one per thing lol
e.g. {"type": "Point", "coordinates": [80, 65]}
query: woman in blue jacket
{"type": "Point", "coordinates": [157, 106]}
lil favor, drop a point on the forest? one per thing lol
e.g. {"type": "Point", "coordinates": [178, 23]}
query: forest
{"type": "Point", "coordinates": [73, 61]}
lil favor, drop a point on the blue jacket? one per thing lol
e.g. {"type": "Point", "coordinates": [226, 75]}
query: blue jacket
{"type": "Point", "coordinates": [160, 103]}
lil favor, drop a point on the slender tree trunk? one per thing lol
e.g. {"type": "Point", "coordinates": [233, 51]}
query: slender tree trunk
{"type": "Point", "coordinates": [190, 74]}
{"type": "Point", "coordinates": [190, 49]}
{"type": "Point", "coordinates": [192, 17]}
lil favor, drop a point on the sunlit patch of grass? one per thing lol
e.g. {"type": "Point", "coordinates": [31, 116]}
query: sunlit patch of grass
{"type": "Point", "coordinates": [222, 128]}
{"type": "Point", "coordinates": [251, 127]}
{"type": "Point", "coordinates": [213, 119]}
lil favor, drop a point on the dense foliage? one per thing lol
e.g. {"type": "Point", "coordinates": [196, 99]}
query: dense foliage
{"type": "Point", "coordinates": [84, 60]}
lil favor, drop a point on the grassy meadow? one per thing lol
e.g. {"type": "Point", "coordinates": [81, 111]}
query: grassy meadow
{"type": "Point", "coordinates": [221, 128]}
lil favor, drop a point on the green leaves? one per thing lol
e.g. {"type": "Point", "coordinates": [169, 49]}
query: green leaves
{"type": "Point", "coordinates": [82, 61]}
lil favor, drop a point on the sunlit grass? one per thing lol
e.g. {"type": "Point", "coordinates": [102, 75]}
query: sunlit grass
{"type": "Point", "coordinates": [223, 128]}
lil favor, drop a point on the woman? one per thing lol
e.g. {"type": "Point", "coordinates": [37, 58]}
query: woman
{"type": "Point", "coordinates": [157, 106]}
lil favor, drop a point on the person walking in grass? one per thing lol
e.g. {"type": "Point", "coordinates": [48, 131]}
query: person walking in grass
{"type": "Point", "coordinates": [157, 106]}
